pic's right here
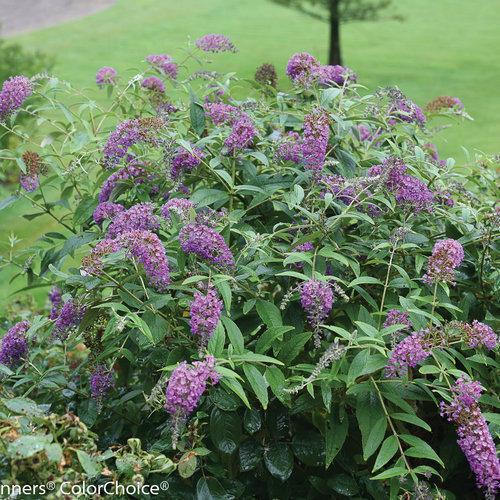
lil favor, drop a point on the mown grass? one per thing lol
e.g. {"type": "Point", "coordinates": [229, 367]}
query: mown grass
{"type": "Point", "coordinates": [447, 47]}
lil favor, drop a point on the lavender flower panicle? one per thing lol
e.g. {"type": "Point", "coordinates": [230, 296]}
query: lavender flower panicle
{"type": "Point", "coordinates": [409, 353]}
{"type": "Point", "coordinates": [185, 387]}
{"type": "Point", "coordinates": [479, 334]}
{"type": "Point", "coordinates": [14, 345]}
{"type": "Point", "coordinates": [126, 134]}
{"type": "Point", "coordinates": [326, 75]}
{"type": "Point", "coordinates": [69, 318]}
{"type": "Point", "coordinates": [138, 217]}
{"type": "Point", "coordinates": [92, 264]}
{"type": "Point", "coordinates": [316, 298]}
{"type": "Point", "coordinates": [55, 298]}
{"type": "Point", "coordinates": [242, 134]}
{"type": "Point", "coordinates": [315, 139]}
{"type": "Point", "coordinates": [395, 317]}
{"type": "Point", "coordinates": [106, 210]}
{"type": "Point", "coordinates": [106, 76]}
{"type": "Point", "coordinates": [474, 437]}
{"type": "Point", "coordinates": [446, 256]}
{"type": "Point", "coordinates": [186, 161]}
{"type": "Point", "coordinates": [290, 148]}
{"type": "Point", "coordinates": [164, 64]}
{"type": "Point", "coordinates": [404, 110]}
{"type": "Point", "coordinates": [35, 166]}
{"type": "Point", "coordinates": [207, 244]}
{"type": "Point", "coordinates": [215, 43]}
{"type": "Point", "coordinates": [301, 68]}
{"type": "Point", "coordinates": [205, 312]}
{"type": "Point", "coordinates": [154, 84]}
{"type": "Point", "coordinates": [148, 249]}
{"type": "Point", "coordinates": [101, 381]}
{"type": "Point", "coordinates": [131, 171]}
{"type": "Point", "coordinates": [221, 113]}
{"type": "Point", "coordinates": [15, 90]}
{"type": "Point", "coordinates": [181, 206]}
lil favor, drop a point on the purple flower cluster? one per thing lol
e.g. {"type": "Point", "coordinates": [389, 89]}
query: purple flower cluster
{"type": "Point", "coordinates": [474, 437]}
{"type": "Point", "coordinates": [336, 184]}
{"type": "Point", "coordinates": [207, 244]}
{"type": "Point", "coordinates": [404, 110]}
{"type": "Point", "coordinates": [221, 113]}
{"type": "Point", "coordinates": [106, 210]}
{"type": "Point", "coordinates": [106, 76]}
{"type": "Point", "coordinates": [242, 134]}
{"type": "Point", "coordinates": [185, 160]}
{"type": "Point", "coordinates": [164, 64]}
{"type": "Point", "coordinates": [131, 171]}
{"type": "Point", "coordinates": [138, 217]}
{"type": "Point", "coordinates": [302, 68]}
{"type": "Point", "coordinates": [14, 346]}
{"type": "Point", "coordinates": [480, 334]}
{"type": "Point", "coordinates": [395, 317]}
{"type": "Point", "coordinates": [15, 90]}
{"type": "Point", "coordinates": [290, 148]}
{"type": "Point", "coordinates": [30, 180]}
{"type": "Point", "coordinates": [101, 381]}
{"type": "Point", "coordinates": [126, 134]}
{"type": "Point", "coordinates": [205, 311]}
{"type": "Point", "coordinates": [316, 298]}
{"type": "Point", "coordinates": [315, 139]}
{"type": "Point", "coordinates": [446, 256]}
{"type": "Point", "coordinates": [410, 352]}
{"type": "Point", "coordinates": [154, 84]}
{"type": "Point", "coordinates": [69, 318]}
{"type": "Point", "coordinates": [215, 43]}
{"type": "Point", "coordinates": [433, 153]}
{"type": "Point", "coordinates": [326, 75]}
{"type": "Point", "coordinates": [187, 384]}
{"type": "Point", "coordinates": [364, 132]}
{"type": "Point", "coordinates": [147, 248]}
{"type": "Point", "coordinates": [55, 297]}
{"type": "Point", "coordinates": [92, 264]}
{"type": "Point", "coordinates": [181, 206]}
{"type": "Point", "coordinates": [408, 191]}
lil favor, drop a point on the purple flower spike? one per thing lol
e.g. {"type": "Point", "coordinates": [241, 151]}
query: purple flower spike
{"type": "Point", "coordinates": [205, 311]}
{"type": "Point", "coordinates": [101, 381]}
{"type": "Point", "coordinates": [315, 141]}
{"type": "Point", "coordinates": [187, 384]}
{"type": "Point", "coordinates": [446, 256]}
{"type": "Point", "coordinates": [139, 217]}
{"type": "Point", "coordinates": [68, 320]}
{"type": "Point", "coordinates": [474, 437]}
{"type": "Point", "coordinates": [106, 76]}
{"type": "Point", "coordinates": [15, 91]}
{"type": "Point", "coordinates": [215, 43]}
{"type": "Point", "coordinates": [14, 345]}
{"type": "Point", "coordinates": [480, 334]}
{"type": "Point", "coordinates": [409, 353]}
{"type": "Point", "coordinates": [185, 160]}
{"type": "Point", "coordinates": [154, 84]}
{"type": "Point", "coordinates": [164, 64]}
{"type": "Point", "coordinates": [207, 244]}
{"type": "Point", "coordinates": [316, 298]}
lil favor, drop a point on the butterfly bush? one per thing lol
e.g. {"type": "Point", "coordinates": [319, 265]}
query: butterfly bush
{"type": "Point", "coordinates": [277, 293]}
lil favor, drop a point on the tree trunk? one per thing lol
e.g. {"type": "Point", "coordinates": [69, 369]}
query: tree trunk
{"type": "Point", "coordinates": [335, 54]}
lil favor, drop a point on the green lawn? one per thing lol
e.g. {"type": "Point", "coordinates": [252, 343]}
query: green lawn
{"type": "Point", "coordinates": [442, 47]}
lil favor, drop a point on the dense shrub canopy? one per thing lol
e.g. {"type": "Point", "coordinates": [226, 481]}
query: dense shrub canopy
{"type": "Point", "coordinates": [257, 293]}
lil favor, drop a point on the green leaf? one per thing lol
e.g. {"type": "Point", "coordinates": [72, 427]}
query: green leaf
{"type": "Point", "coordinates": [225, 291]}
{"type": "Point", "coordinates": [279, 461]}
{"type": "Point", "coordinates": [269, 313]}
{"type": "Point", "coordinates": [252, 421]}
{"type": "Point", "coordinates": [372, 422]}
{"type": "Point", "coordinates": [225, 430]}
{"type": "Point", "coordinates": [187, 465]}
{"type": "Point", "coordinates": [197, 116]}
{"type": "Point", "coordinates": [265, 341]}
{"type": "Point", "coordinates": [335, 435]}
{"type": "Point", "coordinates": [364, 280]}
{"type": "Point", "coordinates": [292, 348]}
{"type": "Point", "coordinates": [217, 341]}
{"type": "Point", "coordinates": [420, 449]}
{"type": "Point", "coordinates": [411, 419]}
{"type": "Point", "coordinates": [395, 471]}
{"type": "Point", "coordinates": [28, 445]}
{"type": "Point", "coordinates": [258, 384]}
{"type": "Point", "coordinates": [250, 455]}
{"type": "Point", "coordinates": [276, 381]}
{"type": "Point", "coordinates": [234, 386]}
{"type": "Point", "coordinates": [7, 202]}
{"type": "Point", "coordinates": [387, 451]}
{"type": "Point", "coordinates": [344, 485]}
{"type": "Point", "coordinates": [23, 406]}
{"type": "Point", "coordinates": [234, 334]}
{"type": "Point", "coordinates": [88, 463]}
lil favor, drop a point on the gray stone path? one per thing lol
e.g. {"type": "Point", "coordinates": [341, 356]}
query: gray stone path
{"type": "Point", "coordinates": [20, 16]}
